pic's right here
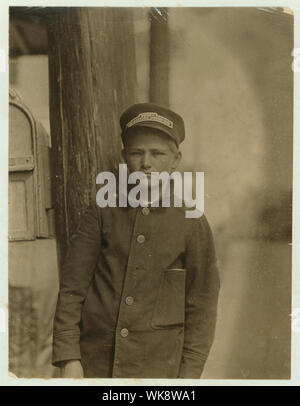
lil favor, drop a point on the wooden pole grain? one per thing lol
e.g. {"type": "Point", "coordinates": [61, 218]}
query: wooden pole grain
{"type": "Point", "coordinates": [92, 75]}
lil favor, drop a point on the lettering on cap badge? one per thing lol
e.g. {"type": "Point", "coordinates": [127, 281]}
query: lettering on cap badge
{"type": "Point", "coordinates": [150, 117]}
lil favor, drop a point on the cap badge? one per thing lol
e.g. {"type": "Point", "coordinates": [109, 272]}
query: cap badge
{"type": "Point", "coordinates": [150, 117]}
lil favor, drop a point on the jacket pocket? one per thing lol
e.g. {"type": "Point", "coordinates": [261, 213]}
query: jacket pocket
{"type": "Point", "coordinates": [169, 308]}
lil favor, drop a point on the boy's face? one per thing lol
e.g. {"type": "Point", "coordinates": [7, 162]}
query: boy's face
{"type": "Point", "coordinates": [148, 150]}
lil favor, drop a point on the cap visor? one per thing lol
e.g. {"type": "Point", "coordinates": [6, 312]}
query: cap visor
{"type": "Point", "coordinates": [155, 125]}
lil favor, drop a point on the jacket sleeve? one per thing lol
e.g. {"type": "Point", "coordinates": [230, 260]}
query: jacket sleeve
{"type": "Point", "coordinates": [76, 275]}
{"type": "Point", "coordinates": [202, 289]}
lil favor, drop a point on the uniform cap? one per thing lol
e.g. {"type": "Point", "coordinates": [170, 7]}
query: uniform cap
{"type": "Point", "coordinates": [153, 116]}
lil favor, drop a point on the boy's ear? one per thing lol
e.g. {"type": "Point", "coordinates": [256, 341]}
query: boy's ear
{"type": "Point", "coordinates": [177, 159]}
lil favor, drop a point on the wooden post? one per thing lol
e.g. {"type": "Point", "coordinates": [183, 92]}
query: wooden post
{"type": "Point", "coordinates": [159, 56]}
{"type": "Point", "coordinates": [92, 79]}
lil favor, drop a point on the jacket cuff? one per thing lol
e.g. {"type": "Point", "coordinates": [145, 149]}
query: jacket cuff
{"type": "Point", "coordinates": [191, 367]}
{"type": "Point", "coordinates": [65, 347]}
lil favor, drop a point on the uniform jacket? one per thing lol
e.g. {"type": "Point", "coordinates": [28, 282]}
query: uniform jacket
{"type": "Point", "coordinates": [138, 294]}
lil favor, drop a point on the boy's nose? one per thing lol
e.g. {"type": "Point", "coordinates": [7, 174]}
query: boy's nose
{"type": "Point", "coordinates": [146, 162]}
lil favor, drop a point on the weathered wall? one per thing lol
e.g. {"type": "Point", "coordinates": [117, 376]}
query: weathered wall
{"type": "Point", "coordinates": [231, 78]}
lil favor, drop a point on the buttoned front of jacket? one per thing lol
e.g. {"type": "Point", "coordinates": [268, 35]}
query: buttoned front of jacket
{"type": "Point", "coordinates": [138, 294]}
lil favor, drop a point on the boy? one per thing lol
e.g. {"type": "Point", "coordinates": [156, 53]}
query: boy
{"type": "Point", "coordinates": [139, 286]}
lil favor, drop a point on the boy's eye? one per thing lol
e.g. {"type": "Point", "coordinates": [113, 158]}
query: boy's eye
{"type": "Point", "coordinates": [158, 153]}
{"type": "Point", "coordinates": [133, 153]}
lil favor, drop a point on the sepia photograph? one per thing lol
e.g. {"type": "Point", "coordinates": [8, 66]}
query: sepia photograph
{"type": "Point", "coordinates": [150, 192]}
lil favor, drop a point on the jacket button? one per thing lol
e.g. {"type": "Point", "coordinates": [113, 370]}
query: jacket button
{"type": "Point", "coordinates": [145, 211]}
{"type": "Point", "coordinates": [124, 332]}
{"type": "Point", "coordinates": [129, 300]}
{"type": "Point", "coordinates": [141, 238]}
